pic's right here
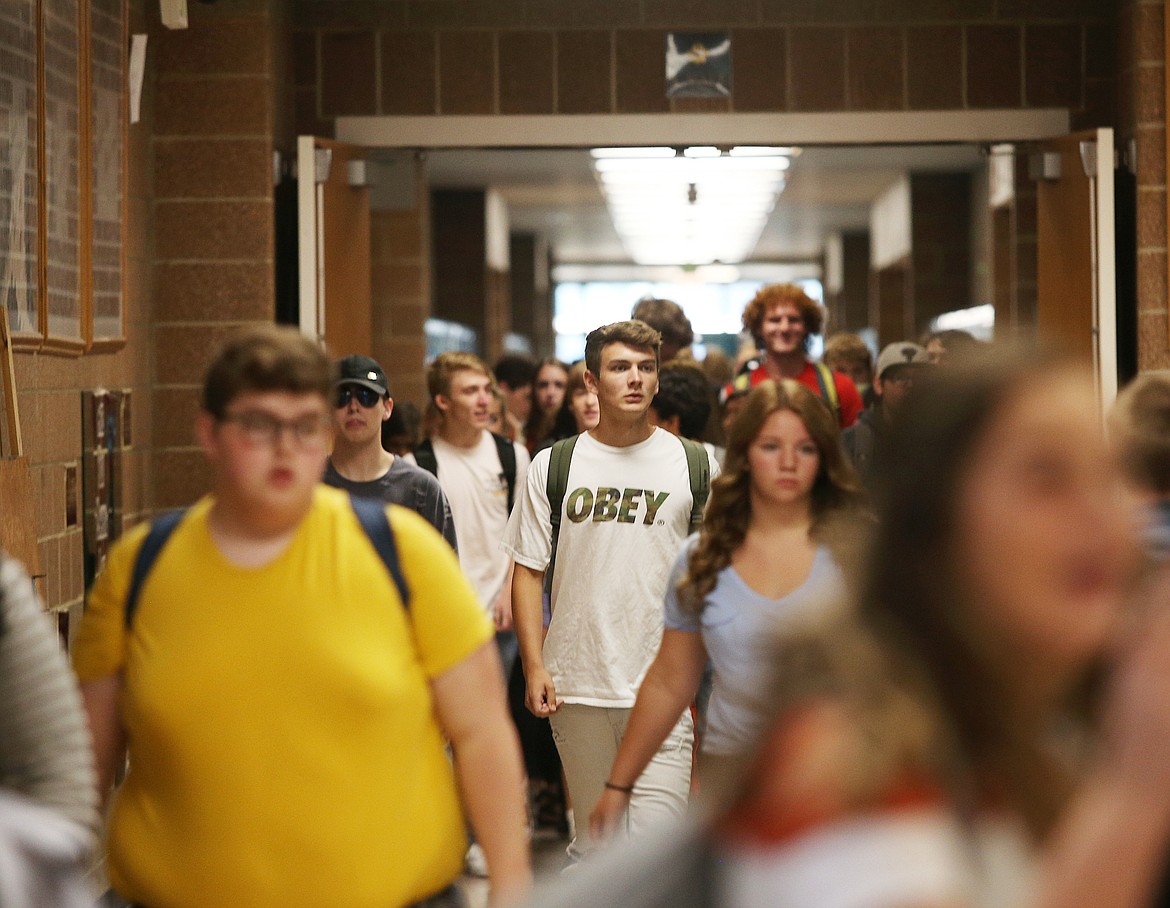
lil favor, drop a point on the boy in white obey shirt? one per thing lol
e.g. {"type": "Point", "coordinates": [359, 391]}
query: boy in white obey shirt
{"type": "Point", "coordinates": [626, 511]}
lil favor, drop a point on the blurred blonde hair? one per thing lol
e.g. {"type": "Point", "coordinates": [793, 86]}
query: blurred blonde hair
{"type": "Point", "coordinates": [1139, 425]}
{"type": "Point", "coordinates": [847, 348]}
{"type": "Point", "coordinates": [447, 364]}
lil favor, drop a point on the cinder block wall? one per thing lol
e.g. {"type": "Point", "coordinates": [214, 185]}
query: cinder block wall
{"type": "Point", "coordinates": [940, 244]}
{"type": "Point", "coordinates": [400, 274]}
{"type": "Point", "coordinates": [605, 56]}
{"type": "Point", "coordinates": [1141, 120]}
{"type": "Point", "coordinates": [430, 57]}
{"type": "Point", "coordinates": [219, 90]}
{"type": "Point", "coordinates": [50, 388]}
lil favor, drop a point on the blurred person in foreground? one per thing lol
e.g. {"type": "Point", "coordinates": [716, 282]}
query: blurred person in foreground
{"type": "Point", "coordinates": [290, 675]}
{"type": "Point", "coordinates": [1139, 427]}
{"type": "Point", "coordinates": [48, 802]}
{"type": "Point", "coordinates": [991, 727]}
{"type": "Point", "coordinates": [776, 527]}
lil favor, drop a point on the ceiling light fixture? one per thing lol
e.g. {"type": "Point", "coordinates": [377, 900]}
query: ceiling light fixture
{"type": "Point", "coordinates": [695, 206]}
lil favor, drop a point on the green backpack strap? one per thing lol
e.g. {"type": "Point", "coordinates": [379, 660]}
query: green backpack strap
{"type": "Point", "coordinates": [699, 471]}
{"type": "Point", "coordinates": [556, 486]}
{"type": "Point", "coordinates": [828, 388]}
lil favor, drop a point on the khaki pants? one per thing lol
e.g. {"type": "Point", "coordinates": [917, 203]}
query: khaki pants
{"type": "Point", "coordinates": [587, 739]}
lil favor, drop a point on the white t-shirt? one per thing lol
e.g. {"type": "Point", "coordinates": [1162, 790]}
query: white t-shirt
{"type": "Point", "coordinates": [912, 856]}
{"type": "Point", "coordinates": [922, 856]}
{"type": "Point", "coordinates": [625, 514]}
{"type": "Point", "coordinates": [474, 483]}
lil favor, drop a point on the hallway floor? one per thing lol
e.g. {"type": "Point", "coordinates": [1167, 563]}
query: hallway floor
{"type": "Point", "coordinates": [548, 858]}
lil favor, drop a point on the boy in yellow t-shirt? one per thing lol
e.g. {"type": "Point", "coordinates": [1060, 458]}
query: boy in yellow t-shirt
{"type": "Point", "coordinates": [285, 711]}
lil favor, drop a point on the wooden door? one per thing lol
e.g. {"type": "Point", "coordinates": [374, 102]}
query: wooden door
{"type": "Point", "coordinates": [1076, 292]}
{"type": "Point", "coordinates": [333, 213]}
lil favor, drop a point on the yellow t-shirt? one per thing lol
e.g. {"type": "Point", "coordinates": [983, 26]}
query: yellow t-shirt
{"type": "Point", "coordinates": [283, 746]}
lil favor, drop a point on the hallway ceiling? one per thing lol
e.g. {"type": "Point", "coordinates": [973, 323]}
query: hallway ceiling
{"type": "Point", "coordinates": [554, 193]}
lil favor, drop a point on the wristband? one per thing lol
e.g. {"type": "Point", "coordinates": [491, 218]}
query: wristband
{"type": "Point", "coordinates": [624, 789]}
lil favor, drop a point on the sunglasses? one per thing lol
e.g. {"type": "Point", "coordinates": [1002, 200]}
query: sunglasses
{"type": "Point", "coordinates": [367, 397]}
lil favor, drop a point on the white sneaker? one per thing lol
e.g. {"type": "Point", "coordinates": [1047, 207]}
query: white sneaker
{"type": "Point", "coordinates": [475, 862]}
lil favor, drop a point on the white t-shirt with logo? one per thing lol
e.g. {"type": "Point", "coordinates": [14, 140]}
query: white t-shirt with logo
{"type": "Point", "coordinates": [626, 513]}
{"type": "Point", "coordinates": [474, 483]}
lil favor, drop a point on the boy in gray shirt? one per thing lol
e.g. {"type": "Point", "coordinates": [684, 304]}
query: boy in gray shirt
{"type": "Point", "coordinates": [361, 466]}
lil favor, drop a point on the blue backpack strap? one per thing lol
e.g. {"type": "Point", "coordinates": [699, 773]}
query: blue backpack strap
{"type": "Point", "coordinates": [371, 514]}
{"type": "Point", "coordinates": [160, 531]}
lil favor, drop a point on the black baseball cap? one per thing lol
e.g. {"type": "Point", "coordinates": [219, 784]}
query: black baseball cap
{"type": "Point", "coordinates": [361, 370]}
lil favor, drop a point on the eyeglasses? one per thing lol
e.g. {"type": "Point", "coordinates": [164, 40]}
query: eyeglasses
{"type": "Point", "coordinates": [264, 429]}
{"type": "Point", "coordinates": [367, 397]}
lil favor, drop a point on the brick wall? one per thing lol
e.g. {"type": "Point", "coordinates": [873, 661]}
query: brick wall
{"type": "Point", "coordinates": [1141, 56]}
{"type": "Point", "coordinates": [940, 244]}
{"type": "Point", "coordinates": [50, 388]}
{"type": "Point", "coordinates": [217, 90]}
{"type": "Point", "coordinates": [400, 272]}
{"type": "Point", "coordinates": [459, 258]}
{"type": "Point", "coordinates": [852, 302]}
{"type": "Point", "coordinates": [606, 56]}
{"type": "Point", "coordinates": [531, 308]}
{"type": "Point", "coordinates": [431, 57]}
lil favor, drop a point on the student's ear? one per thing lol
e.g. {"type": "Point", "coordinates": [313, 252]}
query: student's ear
{"type": "Point", "coordinates": [443, 403]}
{"type": "Point", "coordinates": [205, 433]}
{"type": "Point", "coordinates": [590, 382]}
{"type": "Point", "coordinates": [387, 408]}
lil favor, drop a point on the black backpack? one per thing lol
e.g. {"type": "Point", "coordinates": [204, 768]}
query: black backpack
{"type": "Point", "coordinates": [424, 456]}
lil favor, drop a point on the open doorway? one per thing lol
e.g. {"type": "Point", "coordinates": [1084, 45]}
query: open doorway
{"type": "Point", "coordinates": [843, 215]}
{"type": "Point", "coordinates": [547, 197]}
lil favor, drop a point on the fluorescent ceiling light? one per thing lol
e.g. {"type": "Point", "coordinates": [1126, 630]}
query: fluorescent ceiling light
{"type": "Point", "coordinates": [648, 152]}
{"type": "Point", "coordinates": [696, 208]}
{"type": "Point", "coordinates": [758, 151]}
{"type": "Point", "coordinates": [695, 166]}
